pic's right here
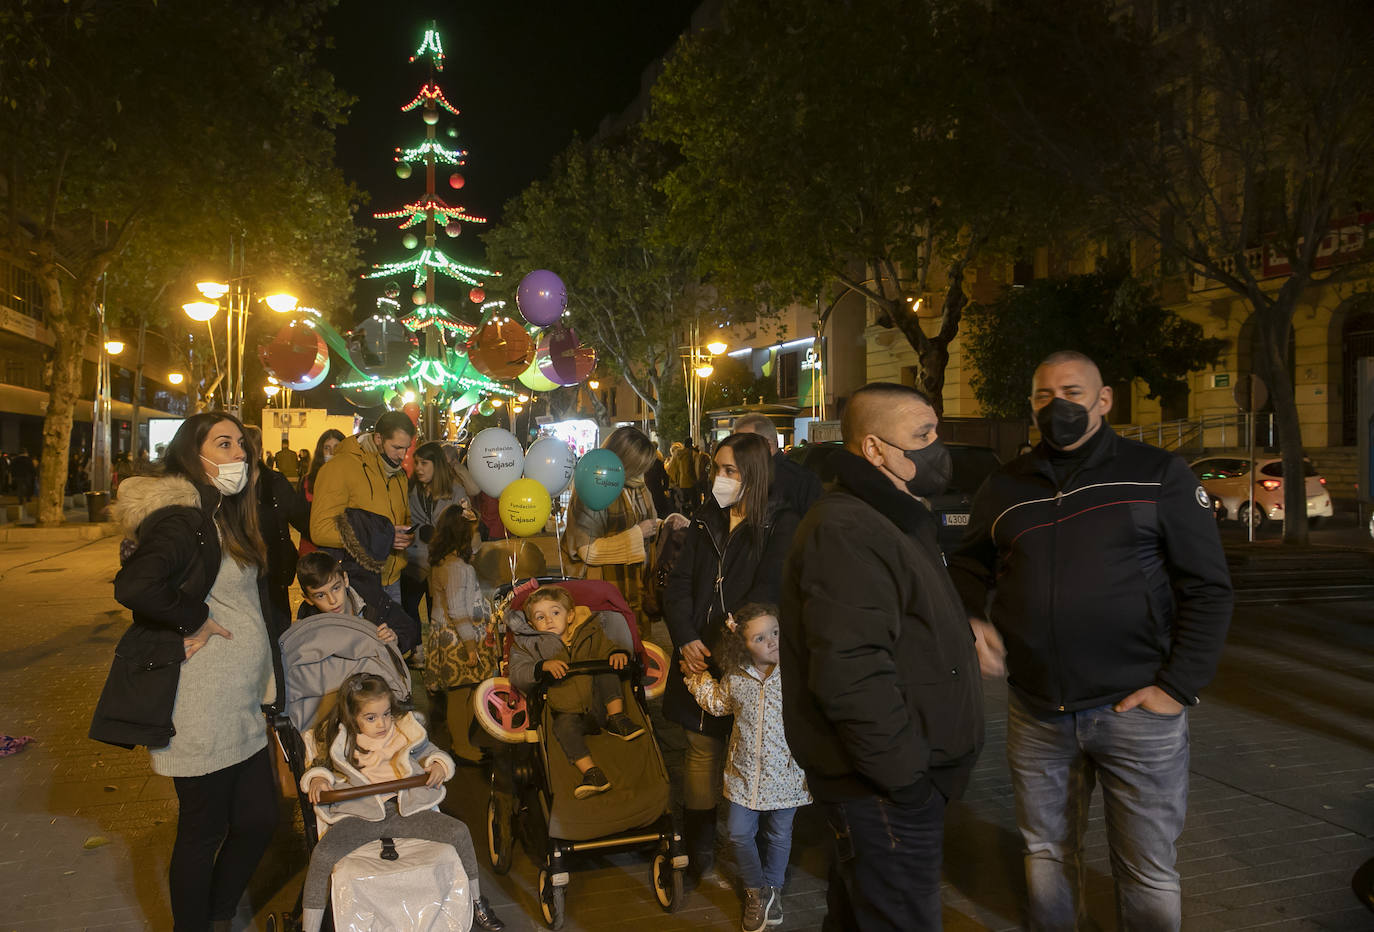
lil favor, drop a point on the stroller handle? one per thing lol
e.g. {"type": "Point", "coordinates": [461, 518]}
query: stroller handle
{"type": "Point", "coordinates": [590, 667]}
{"type": "Point", "coordinates": [373, 789]}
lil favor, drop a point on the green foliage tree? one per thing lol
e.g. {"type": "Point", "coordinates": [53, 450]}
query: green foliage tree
{"type": "Point", "coordinates": [1242, 130]}
{"type": "Point", "coordinates": [833, 147]}
{"type": "Point", "coordinates": [1109, 316]}
{"type": "Point", "coordinates": [138, 137]}
{"type": "Point", "coordinates": [597, 221]}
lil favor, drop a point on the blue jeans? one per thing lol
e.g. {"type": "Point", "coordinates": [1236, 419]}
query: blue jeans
{"type": "Point", "coordinates": [747, 828]}
{"type": "Point", "coordinates": [1141, 759]}
{"type": "Point", "coordinates": [886, 871]}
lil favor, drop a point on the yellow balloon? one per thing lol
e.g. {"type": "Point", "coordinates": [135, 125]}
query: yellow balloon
{"type": "Point", "coordinates": [524, 507]}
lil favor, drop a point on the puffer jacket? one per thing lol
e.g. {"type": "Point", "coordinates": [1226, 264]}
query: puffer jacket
{"type": "Point", "coordinates": [424, 514]}
{"type": "Point", "coordinates": [164, 582]}
{"type": "Point", "coordinates": [760, 772]}
{"type": "Point", "coordinates": [587, 641]}
{"type": "Point", "coordinates": [716, 572]}
{"type": "Point", "coordinates": [417, 755]}
{"type": "Point", "coordinates": [356, 478]}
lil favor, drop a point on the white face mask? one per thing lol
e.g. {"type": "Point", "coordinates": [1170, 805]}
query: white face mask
{"type": "Point", "coordinates": [328, 457]}
{"type": "Point", "coordinates": [232, 477]}
{"type": "Point", "coordinates": [725, 490]}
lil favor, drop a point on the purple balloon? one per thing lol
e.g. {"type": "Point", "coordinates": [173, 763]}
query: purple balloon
{"type": "Point", "coordinates": [541, 297]}
{"type": "Point", "coordinates": [562, 359]}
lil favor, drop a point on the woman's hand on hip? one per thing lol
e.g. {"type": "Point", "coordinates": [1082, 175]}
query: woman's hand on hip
{"type": "Point", "coordinates": [694, 654]}
{"type": "Point", "coordinates": [202, 636]}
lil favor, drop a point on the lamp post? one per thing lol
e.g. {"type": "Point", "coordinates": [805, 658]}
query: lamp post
{"type": "Point", "coordinates": [697, 368]}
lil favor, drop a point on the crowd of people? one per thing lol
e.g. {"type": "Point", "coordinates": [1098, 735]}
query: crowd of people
{"type": "Point", "coordinates": [825, 650]}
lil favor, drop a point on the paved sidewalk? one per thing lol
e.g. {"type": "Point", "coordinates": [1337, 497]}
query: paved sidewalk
{"type": "Point", "coordinates": [1281, 812]}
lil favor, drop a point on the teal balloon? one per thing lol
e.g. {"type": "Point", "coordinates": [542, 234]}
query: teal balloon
{"type": "Point", "coordinates": [598, 479]}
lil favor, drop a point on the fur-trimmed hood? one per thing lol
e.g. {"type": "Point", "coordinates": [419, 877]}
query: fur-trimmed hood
{"type": "Point", "coordinates": [140, 496]}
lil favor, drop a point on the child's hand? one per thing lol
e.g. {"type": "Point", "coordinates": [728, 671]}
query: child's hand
{"type": "Point", "coordinates": [317, 786]}
{"type": "Point", "coordinates": [618, 661]}
{"type": "Point", "coordinates": [385, 634]}
{"type": "Point", "coordinates": [555, 668]}
{"type": "Point", "coordinates": [436, 773]}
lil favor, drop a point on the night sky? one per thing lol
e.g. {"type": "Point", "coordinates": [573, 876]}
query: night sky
{"type": "Point", "coordinates": [526, 77]}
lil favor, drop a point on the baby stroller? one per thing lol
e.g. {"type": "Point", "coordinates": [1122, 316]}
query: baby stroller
{"type": "Point", "coordinates": [532, 781]}
{"type": "Point", "coordinates": [402, 883]}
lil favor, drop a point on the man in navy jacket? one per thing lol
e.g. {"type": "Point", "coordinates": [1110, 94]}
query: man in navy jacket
{"type": "Point", "coordinates": [1110, 600]}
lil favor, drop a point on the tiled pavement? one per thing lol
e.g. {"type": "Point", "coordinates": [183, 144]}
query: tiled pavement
{"type": "Point", "coordinates": [1281, 811]}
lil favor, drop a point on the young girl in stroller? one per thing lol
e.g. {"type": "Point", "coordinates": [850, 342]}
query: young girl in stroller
{"type": "Point", "coordinates": [362, 741]}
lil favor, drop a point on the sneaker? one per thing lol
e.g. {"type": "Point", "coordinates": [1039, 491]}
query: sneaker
{"type": "Point", "coordinates": [774, 897]}
{"type": "Point", "coordinates": [620, 725]}
{"type": "Point", "coordinates": [593, 781]}
{"type": "Point", "coordinates": [755, 910]}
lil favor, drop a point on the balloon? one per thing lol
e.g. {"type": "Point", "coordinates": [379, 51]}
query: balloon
{"type": "Point", "coordinates": [598, 479]}
{"type": "Point", "coordinates": [495, 460]}
{"type": "Point", "coordinates": [477, 296]}
{"type": "Point", "coordinates": [563, 360]}
{"type": "Point", "coordinates": [524, 507]}
{"type": "Point", "coordinates": [503, 349]}
{"type": "Point", "coordinates": [412, 410]}
{"type": "Point", "coordinates": [485, 408]}
{"type": "Point", "coordinates": [534, 380]}
{"type": "Point", "coordinates": [453, 228]}
{"type": "Point", "coordinates": [541, 297]}
{"type": "Point", "coordinates": [550, 462]}
{"type": "Point", "coordinates": [294, 352]}
{"type": "Point", "coordinates": [456, 181]}
{"type": "Point", "coordinates": [312, 379]}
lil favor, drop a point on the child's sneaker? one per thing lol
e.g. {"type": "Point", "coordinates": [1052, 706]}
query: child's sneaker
{"type": "Point", "coordinates": [755, 910]}
{"type": "Point", "coordinates": [774, 897]}
{"type": "Point", "coordinates": [593, 781]}
{"type": "Point", "coordinates": [620, 725]}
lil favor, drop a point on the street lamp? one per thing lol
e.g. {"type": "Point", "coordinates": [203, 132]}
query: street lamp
{"type": "Point", "coordinates": [114, 347]}
{"type": "Point", "coordinates": [697, 361]}
{"type": "Point", "coordinates": [175, 378]}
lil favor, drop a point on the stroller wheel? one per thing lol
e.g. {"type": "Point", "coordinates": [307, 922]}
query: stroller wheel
{"type": "Point", "coordinates": [500, 832]}
{"type": "Point", "coordinates": [666, 881]}
{"type": "Point", "coordinates": [655, 670]}
{"type": "Point", "coordinates": [500, 709]}
{"type": "Point", "coordinates": [551, 901]}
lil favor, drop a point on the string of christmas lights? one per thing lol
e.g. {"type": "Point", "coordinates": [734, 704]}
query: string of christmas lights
{"type": "Point", "coordinates": [432, 148]}
{"type": "Point", "coordinates": [433, 47]}
{"type": "Point", "coordinates": [430, 92]}
{"type": "Point", "coordinates": [432, 258]}
{"type": "Point", "coordinates": [421, 210]}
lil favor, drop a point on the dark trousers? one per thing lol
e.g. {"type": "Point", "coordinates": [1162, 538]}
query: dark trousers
{"type": "Point", "coordinates": [886, 869]}
{"type": "Point", "coordinates": [571, 728]}
{"type": "Point", "coordinates": [225, 823]}
{"type": "Point", "coordinates": [413, 592]}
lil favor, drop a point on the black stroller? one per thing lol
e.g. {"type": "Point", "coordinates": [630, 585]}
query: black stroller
{"type": "Point", "coordinates": [532, 783]}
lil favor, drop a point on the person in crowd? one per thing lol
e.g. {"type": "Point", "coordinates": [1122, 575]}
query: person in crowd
{"type": "Point", "coordinates": [763, 783]}
{"type": "Point", "coordinates": [552, 632]}
{"type": "Point", "coordinates": [433, 489]}
{"type": "Point", "coordinates": [303, 461]}
{"type": "Point", "coordinates": [361, 512]}
{"type": "Point", "coordinates": [324, 452]}
{"type": "Point", "coordinates": [682, 477]}
{"type": "Point", "coordinates": [1110, 605]}
{"type": "Point", "coordinates": [732, 555]}
{"type": "Point", "coordinates": [490, 525]}
{"type": "Point", "coordinates": [1024, 448]}
{"type": "Point", "coordinates": [454, 454]}
{"type": "Point", "coordinates": [191, 676]}
{"type": "Point", "coordinates": [610, 544]}
{"type": "Point", "coordinates": [324, 584]}
{"type": "Point", "coordinates": [463, 648]}
{"type": "Point", "coordinates": [24, 476]}
{"type": "Point", "coordinates": [657, 482]}
{"type": "Point", "coordinates": [799, 486]}
{"type": "Point", "coordinates": [279, 510]}
{"type": "Point", "coordinates": [288, 464]}
{"type": "Point", "coordinates": [881, 706]}
{"type": "Point", "coordinates": [365, 739]}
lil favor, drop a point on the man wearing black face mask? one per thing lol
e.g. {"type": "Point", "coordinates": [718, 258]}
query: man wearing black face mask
{"type": "Point", "coordinates": [881, 704]}
{"type": "Point", "coordinates": [1110, 603]}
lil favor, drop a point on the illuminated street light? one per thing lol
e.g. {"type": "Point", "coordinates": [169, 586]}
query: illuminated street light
{"type": "Point", "coordinates": [593, 384]}
{"type": "Point", "coordinates": [704, 372]}
{"type": "Point", "coordinates": [517, 408]}
{"type": "Point", "coordinates": [175, 378]}
{"type": "Point", "coordinates": [497, 402]}
{"type": "Point", "coordinates": [212, 290]}
{"type": "Point", "coordinates": [281, 303]}
{"type": "Point", "coordinates": [114, 347]}
{"type": "Point", "coordinates": [201, 310]}
{"type": "Point", "coordinates": [522, 398]}
{"type": "Point", "coordinates": [271, 390]}
{"type": "Point", "coordinates": [716, 347]}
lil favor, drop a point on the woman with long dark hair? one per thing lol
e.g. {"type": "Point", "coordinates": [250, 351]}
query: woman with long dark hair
{"type": "Point", "coordinates": [324, 452]}
{"type": "Point", "coordinates": [433, 489]}
{"type": "Point", "coordinates": [732, 555]}
{"type": "Point", "coordinates": [195, 672]}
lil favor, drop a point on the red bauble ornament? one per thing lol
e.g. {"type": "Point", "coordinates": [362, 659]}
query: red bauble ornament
{"type": "Point", "coordinates": [477, 296]}
{"type": "Point", "coordinates": [456, 181]}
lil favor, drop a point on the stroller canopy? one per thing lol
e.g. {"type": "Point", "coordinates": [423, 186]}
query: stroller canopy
{"type": "Point", "coordinates": [322, 651]}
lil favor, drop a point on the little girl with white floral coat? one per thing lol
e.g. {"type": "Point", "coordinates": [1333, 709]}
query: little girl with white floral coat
{"type": "Point", "coordinates": [763, 784]}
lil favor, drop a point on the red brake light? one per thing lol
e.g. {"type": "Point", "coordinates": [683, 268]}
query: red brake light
{"type": "Point", "coordinates": [1270, 485]}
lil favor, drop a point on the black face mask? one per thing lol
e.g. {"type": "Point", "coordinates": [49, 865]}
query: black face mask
{"type": "Point", "coordinates": [933, 468]}
{"type": "Point", "coordinates": [1062, 423]}
{"type": "Point", "coordinates": [394, 464]}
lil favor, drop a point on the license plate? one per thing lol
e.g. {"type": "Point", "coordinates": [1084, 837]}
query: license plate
{"type": "Point", "coordinates": [954, 519]}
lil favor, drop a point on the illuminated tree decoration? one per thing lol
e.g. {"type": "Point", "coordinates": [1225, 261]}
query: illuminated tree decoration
{"type": "Point", "coordinates": [420, 211]}
{"type": "Point", "coordinates": [433, 258]}
{"type": "Point", "coordinates": [430, 92]}
{"type": "Point", "coordinates": [432, 47]}
{"type": "Point", "coordinates": [433, 148]}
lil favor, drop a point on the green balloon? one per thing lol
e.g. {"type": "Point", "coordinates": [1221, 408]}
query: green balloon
{"type": "Point", "coordinates": [598, 479]}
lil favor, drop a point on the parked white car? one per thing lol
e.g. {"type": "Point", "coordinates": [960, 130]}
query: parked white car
{"type": "Point", "coordinates": [1227, 481]}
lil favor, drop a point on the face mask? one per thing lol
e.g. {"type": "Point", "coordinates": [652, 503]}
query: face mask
{"type": "Point", "coordinates": [232, 477]}
{"type": "Point", "coordinates": [933, 468]}
{"type": "Point", "coordinates": [394, 464]}
{"type": "Point", "coordinates": [1062, 422]}
{"type": "Point", "coordinates": [725, 490]}
{"type": "Point", "coordinates": [328, 457]}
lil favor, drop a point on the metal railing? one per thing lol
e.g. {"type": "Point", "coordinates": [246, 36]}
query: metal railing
{"type": "Point", "coordinates": [1208, 432]}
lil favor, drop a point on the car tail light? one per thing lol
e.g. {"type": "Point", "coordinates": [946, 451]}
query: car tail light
{"type": "Point", "coordinates": [1270, 485]}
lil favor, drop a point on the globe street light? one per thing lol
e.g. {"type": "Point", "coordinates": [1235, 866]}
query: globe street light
{"type": "Point", "coordinates": [114, 347]}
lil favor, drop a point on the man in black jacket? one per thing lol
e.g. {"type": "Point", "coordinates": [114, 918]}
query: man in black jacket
{"type": "Point", "coordinates": [1110, 604]}
{"type": "Point", "coordinates": [881, 702]}
{"type": "Point", "coordinates": [795, 484]}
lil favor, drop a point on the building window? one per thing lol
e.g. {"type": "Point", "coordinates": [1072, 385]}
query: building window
{"type": "Point", "coordinates": [19, 291]}
{"type": "Point", "coordinates": [789, 365]}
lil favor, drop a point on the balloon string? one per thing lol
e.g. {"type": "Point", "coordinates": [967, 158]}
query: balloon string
{"type": "Point", "coordinates": [558, 537]}
{"type": "Point", "coordinates": [512, 566]}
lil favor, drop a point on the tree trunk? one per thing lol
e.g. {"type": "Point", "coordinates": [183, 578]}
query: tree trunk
{"type": "Point", "coordinates": [1275, 322]}
{"type": "Point", "coordinates": [71, 327]}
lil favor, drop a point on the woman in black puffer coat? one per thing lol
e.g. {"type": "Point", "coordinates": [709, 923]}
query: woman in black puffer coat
{"type": "Point", "coordinates": [733, 555]}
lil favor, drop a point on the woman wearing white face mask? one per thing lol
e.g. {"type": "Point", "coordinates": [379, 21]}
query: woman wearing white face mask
{"type": "Point", "coordinates": [195, 672]}
{"type": "Point", "coordinates": [732, 555]}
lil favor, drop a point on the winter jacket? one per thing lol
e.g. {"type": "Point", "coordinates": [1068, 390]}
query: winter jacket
{"type": "Point", "coordinates": [1110, 583]}
{"type": "Point", "coordinates": [164, 582]}
{"type": "Point", "coordinates": [795, 484]}
{"type": "Point", "coordinates": [424, 515]}
{"type": "Point", "coordinates": [280, 508]}
{"type": "Point", "coordinates": [881, 689]}
{"type": "Point", "coordinates": [379, 611]}
{"type": "Point", "coordinates": [716, 572]}
{"type": "Point", "coordinates": [357, 478]}
{"type": "Point", "coordinates": [417, 755]}
{"type": "Point", "coordinates": [760, 772]}
{"type": "Point", "coordinates": [586, 640]}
